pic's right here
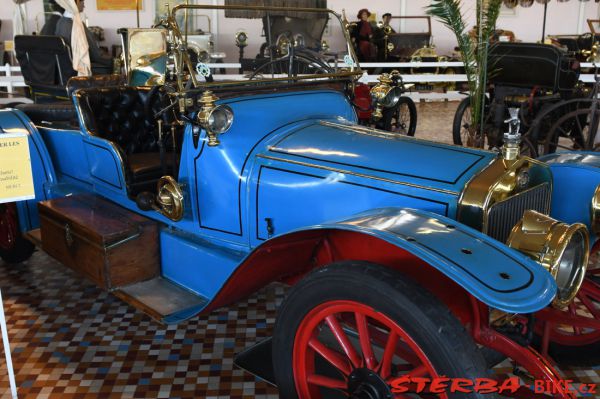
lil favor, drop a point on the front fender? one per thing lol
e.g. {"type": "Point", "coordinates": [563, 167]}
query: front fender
{"type": "Point", "coordinates": [493, 273]}
{"type": "Point", "coordinates": [576, 175]}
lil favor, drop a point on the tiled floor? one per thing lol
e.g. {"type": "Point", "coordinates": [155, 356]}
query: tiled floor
{"type": "Point", "coordinates": [72, 340]}
{"type": "Point", "coordinates": [69, 339]}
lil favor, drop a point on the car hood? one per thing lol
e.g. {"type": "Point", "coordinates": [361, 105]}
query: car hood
{"type": "Point", "coordinates": [380, 155]}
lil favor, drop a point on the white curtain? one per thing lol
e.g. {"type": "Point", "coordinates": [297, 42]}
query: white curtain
{"type": "Point", "coordinates": [20, 18]}
{"type": "Point", "coordinates": [79, 44]}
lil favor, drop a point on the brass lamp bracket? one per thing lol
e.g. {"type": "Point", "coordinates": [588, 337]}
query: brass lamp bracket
{"type": "Point", "coordinates": [207, 102]}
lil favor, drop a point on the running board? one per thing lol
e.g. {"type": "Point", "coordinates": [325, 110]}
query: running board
{"type": "Point", "coordinates": [34, 236]}
{"type": "Point", "coordinates": [162, 300]}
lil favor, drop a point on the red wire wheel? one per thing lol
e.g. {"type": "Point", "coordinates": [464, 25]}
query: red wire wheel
{"type": "Point", "coordinates": [573, 333]}
{"type": "Point", "coordinates": [350, 329]}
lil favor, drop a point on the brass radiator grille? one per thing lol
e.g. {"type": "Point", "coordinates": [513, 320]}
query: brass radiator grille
{"type": "Point", "coordinates": [503, 216]}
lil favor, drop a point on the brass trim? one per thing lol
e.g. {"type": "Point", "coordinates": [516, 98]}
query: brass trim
{"type": "Point", "coordinates": [170, 198]}
{"type": "Point", "coordinates": [496, 183]}
{"type": "Point", "coordinates": [439, 190]}
{"type": "Point", "coordinates": [355, 70]}
{"type": "Point", "coordinates": [385, 134]}
{"type": "Point", "coordinates": [545, 240]}
{"type": "Point", "coordinates": [595, 211]}
{"type": "Point", "coordinates": [281, 79]}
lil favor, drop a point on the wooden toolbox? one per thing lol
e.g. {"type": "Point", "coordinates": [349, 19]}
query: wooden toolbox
{"type": "Point", "coordinates": [110, 245]}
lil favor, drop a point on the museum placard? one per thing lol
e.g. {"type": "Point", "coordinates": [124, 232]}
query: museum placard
{"type": "Point", "coordinates": [16, 178]}
{"type": "Point", "coordinates": [117, 5]}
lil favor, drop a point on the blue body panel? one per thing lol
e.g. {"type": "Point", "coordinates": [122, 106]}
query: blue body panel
{"type": "Point", "coordinates": [576, 176]}
{"type": "Point", "coordinates": [391, 156]}
{"type": "Point", "coordinates": [302, 177]}
{"type": "Point", "coordinates": [67, 150]}
{"type": "Point", "coordinates": [198, 265]}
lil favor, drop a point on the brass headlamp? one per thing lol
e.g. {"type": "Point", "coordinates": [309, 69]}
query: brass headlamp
{"type": "Point", "coordinates": [215, 119]}
{"type": "Point", "coordinates": [560, 248]}
{"type": "Point", "coordinates": [385, 94]}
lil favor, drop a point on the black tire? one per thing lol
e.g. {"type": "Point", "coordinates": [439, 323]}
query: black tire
{"type": "Point", "coordinates": [425, 319]}
{"type": "Point", "coordinates": [458, 124]}
{"type": "Point", "coordinates": [21, 249]}
{"type": "Point", "coordinates": [394, 119]}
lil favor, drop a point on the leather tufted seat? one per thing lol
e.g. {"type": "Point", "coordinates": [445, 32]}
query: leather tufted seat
{"type": "Point", "coordinates": [124, 115]}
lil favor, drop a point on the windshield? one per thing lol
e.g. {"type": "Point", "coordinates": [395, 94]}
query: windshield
{"type": "Point", "coordinates": [261, 43]}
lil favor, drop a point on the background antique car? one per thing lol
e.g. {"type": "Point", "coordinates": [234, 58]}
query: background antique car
{"type": "Point", "coordinates": [400, 118]}
{"type": "Point", "coordinates": [183, 198]}
{"type": "Point", "coordinates": [539, 79]}
{"type": "Point", "coordinates": [584, 46]}
{"type": "Point", "coordinates": [407, 35]}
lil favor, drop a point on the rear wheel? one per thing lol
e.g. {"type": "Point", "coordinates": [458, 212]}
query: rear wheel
{"type": "Point", "coordinates": [13, 247]}
{"type": "Point", "coordinates": [463, 133]}
{"type": "Point", "coordinates": [350, 329]}
{"type": "Point", "coordinates": [573, 132]}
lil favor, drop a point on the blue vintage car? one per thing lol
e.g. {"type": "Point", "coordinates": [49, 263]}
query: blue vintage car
{"type": "Point", "coordinates": [407, 258]}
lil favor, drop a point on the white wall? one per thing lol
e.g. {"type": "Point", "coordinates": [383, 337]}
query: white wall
{"type": "Point", "coordinates": [563, 18]}
{"type": "Point", "coordinates": [109, 20]}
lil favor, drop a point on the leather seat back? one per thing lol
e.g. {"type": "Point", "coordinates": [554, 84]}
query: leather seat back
{"type": "Point", "coordinates": [123, 115]}
{"type": "Point", "coordinates": [529, 65]}
{"type": "Point", "coordinates": [44, 60]}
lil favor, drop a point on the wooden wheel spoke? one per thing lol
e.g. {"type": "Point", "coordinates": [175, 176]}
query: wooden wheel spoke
{"type": "Point", "coordinates": [385, 369]}
{"type": "Point", "coordinates": [579, 126]}
{"type": "Point", "coordinates": [573, 311]}
{"type": "Point", "coordinates": [326, 382]}
{"type": "Point", "coordinates": [365, 341]}
{"type": "Point", "coordinates": [578, 322]}
{"type": "Point", "coordinates": [343, 340]}
{"type": "Point", "coordinates": [419, 371]}
{"type": "Point", "coordinates": [593, 309]}
{"type": "Point", "coordinates": [334, 358]}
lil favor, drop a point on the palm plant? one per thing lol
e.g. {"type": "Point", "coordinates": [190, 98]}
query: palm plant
{"type": "Point", "coordinates": [474, 49]}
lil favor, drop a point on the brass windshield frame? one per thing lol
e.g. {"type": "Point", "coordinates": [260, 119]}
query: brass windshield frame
{"type": "Point", "coordinates": [354, 72]}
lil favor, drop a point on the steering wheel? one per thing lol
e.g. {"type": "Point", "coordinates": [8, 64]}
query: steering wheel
{"type": "Point", "coordinates": [296, 56]}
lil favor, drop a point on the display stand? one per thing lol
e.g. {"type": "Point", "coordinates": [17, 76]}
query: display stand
{"type": "Point", "coordinates": [9, 366]}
